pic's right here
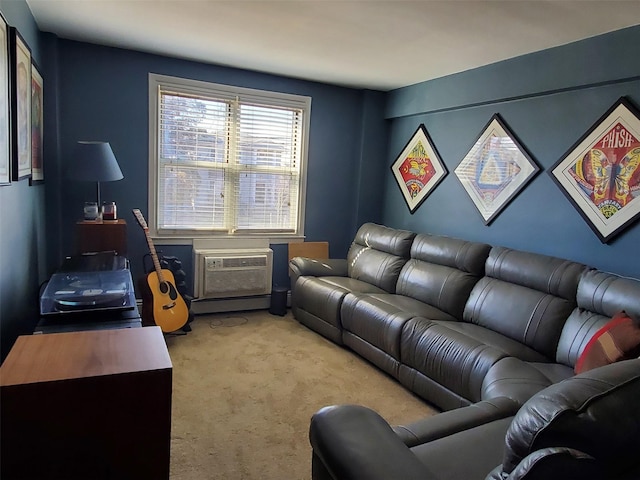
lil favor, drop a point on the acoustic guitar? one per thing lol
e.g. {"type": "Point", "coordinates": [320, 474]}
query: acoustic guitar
{"type": "Point", "coordinates": [170, 312]}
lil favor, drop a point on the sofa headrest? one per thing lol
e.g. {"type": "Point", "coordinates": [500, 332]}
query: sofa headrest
{"type": "Point", "coordinates": [551, 275]}
{"type": "Point", "coordinates": [378, 254]}
{"type": "Point", "coordinates": [462, 255]}
{"type": "Point", "coordinates": [596, 413]}
{"type": "Point", "coordinates": [385, 239]}
{"type": "Point", "coordinates": [600, 296]}
{"type": "Point", "coordinates": [608, 294]}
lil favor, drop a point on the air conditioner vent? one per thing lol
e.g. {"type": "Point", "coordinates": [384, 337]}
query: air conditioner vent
{"type": "Point", "coordinates": [240, 262]}
{"type": "Point", "coordinates": [232, 273]}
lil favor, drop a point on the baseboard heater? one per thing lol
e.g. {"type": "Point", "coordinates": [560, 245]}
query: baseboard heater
{"type": "Point", "coordinates": [222, 305]}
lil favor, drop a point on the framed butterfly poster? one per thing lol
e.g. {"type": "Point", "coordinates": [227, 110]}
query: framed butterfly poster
{"type": "Point", "coordinates": [600, 174]}
{"type": "Point", "coordinates": [418, 169]}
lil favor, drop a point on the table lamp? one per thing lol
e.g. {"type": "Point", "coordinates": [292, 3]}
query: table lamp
{"type": "Point", "coordinates": [94, 162]}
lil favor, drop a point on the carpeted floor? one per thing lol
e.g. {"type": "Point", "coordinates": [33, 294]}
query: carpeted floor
{"type": "Point", "coordinates": [245, 386]}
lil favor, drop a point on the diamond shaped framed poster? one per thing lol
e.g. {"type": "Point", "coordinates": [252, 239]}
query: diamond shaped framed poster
{"type": "Point", "coordinates": [5, 104]}
{"type": "Point", "coordinates": [418, 169]}
{"type": "Point", "coordinates": [600, 174]}
{"type": "Point", "coordinates": [495, 170]}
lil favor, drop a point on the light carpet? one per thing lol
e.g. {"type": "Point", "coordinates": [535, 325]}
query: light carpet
{"type": "Point", "coordinates": [245, 386]}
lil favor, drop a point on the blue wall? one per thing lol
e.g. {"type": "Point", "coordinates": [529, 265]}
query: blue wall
{"type": "Point", "coordinates": [103, 95]}
{"type": "Point", "coordinates": [100, 93]}
{"type": "Point", "coordinates": [23, 225]}
{"type": "Point", "coordinates": [548, 99]}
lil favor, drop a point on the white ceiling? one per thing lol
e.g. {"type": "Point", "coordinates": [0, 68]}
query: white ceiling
{"type": "Point", "coordinates": [372, 44]}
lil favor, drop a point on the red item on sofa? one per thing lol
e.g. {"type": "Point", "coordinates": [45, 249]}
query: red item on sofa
{"type": "Point", "coordinates": [618, 340]}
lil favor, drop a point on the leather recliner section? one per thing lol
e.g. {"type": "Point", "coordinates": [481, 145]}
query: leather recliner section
{"type": "Point", "coordinates": [590, 413]}
{"type": "Point", "coordinates": [433, 284]}
{"type": "Point", "coordinates": [442, 272]}
{"type": "Point", "coordinates": [463, 322]}
{"type": "Point", "coordinates": [373, 264]}
{"type": "Point", "coordinates": [526, 297]}
{"type": "Point", "coordinates": [585, 427]}
{"type": "Point", "coordinates": [377, 255]}
{"type": "Point", "coordinates": [373, 325]}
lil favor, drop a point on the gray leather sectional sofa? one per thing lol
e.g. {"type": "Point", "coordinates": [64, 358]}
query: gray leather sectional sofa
{"type": "Point", "coordinates": [472, 328]}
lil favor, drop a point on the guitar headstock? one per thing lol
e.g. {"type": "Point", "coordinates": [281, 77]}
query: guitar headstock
{"type": "Point", "coordinates": [140, 218]}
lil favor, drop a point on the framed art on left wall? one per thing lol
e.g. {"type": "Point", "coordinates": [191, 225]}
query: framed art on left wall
{"type": "Point", "coordinates": [20, 105]}
{"type": "Point", "coordinates": [37, 105]}
{"type": "Point", "coordinates": [5, 113]}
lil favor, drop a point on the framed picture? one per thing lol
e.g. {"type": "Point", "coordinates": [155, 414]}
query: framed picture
{"type": "Point", "coordinates": [495, 170]}
{"type": "Point", "coordinates": [418, 169]}
{"type": "Point", "coordinates": [20, 106]}
{"type": "Point", "coordinates": [5, 112]}
{"type": "Point", "coordinates": [600, 174]}
{"type": "Point", "coordinates": [37, 104]}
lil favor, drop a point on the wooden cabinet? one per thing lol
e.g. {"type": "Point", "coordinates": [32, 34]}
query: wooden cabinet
{"type": "Point", "coordinates": [99, 236]}
{"type": "Point", "coordinates": [91, 404]}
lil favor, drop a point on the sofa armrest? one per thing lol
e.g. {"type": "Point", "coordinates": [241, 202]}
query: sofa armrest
{"type": "Point", "coordinates": [454, 421]}
{"type": "Point", "coordinates": [335, 267]}
{"type": "Point", "coordinates": [353, 442]}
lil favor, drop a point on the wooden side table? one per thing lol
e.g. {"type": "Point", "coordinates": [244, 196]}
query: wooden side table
{"type": "Point", "coordinates": [101, 235]}
{"type": "Point", "coordinates": [91, 404]}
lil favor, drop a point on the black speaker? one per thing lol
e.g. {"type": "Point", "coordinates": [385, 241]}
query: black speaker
{"type": "Point", "coordinates": [278, 301]}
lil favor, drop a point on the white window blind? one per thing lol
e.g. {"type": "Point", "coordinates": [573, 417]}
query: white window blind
{"type": "Point", "coordinates": [227, 160]}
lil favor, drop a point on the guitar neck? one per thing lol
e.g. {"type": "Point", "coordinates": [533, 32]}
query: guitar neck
{"type": "Point", "coordinates": [154, 256]}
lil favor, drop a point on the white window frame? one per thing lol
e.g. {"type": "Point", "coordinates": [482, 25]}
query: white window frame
{"type": "Point", "coordinates": [206, 89]}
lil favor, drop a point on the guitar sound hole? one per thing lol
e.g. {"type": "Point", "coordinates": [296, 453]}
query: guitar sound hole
{"type": "Point", "coordinates": [164, 288]}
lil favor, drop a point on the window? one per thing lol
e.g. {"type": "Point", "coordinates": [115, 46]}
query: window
{"type": "Point", "coordinates": [225, 160]}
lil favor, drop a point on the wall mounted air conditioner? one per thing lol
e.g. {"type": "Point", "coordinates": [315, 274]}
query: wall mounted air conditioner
{"type": "Point", "coordinates": [231, 273]}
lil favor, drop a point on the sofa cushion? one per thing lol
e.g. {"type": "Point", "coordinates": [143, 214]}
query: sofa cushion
{"type": "Point", "coordinates": [377, 255]}
{"type": "Point", "coordinates": [555, 276]}
{"type": "Point", "coordinates": [433, 427]}
{"type": "Point", "coordinates": [470, 454]}
{"type": "Point", "coordinates": [599, 297]}
{"type": "Point", "coordinates": [496, 340]}
{"type": "Point", "coordinates": [323, 296]}
{"type": "Point", "coordinates": [579, 328]}
{"type": "Point", "coordinates": [378, 318]}
{"type": "Point", "coordinates": [452, 359]}
{"type": "Point", "coordinates": [590, 413]}
{"type": "Point", "coordinates": [518, 380]}
{"type": "Point", "coordinates": [526, 297]}
{"type": "Point", "coordinates": [609, 294]}
{"type": "Point", "coordinates": [463, 255]}
{"type": "Point", "coordinates": [391, 303]}
{"type": "Point", "coordinates": [618, 340]}
{"type": "Point", "coordinates": [385, 239]}
{"type": "Point", "coordinates": [442, 271]}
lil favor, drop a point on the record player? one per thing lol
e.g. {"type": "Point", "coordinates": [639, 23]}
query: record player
{"type": "Point", "coordinates": [85, 283]}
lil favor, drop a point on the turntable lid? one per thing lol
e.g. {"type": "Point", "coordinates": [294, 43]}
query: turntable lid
{"type": "Point", "coordinates": [87, 290]}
